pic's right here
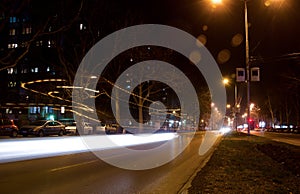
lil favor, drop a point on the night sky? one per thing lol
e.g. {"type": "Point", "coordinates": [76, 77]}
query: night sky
{"type": "Point", "coordinates": [273, 34]}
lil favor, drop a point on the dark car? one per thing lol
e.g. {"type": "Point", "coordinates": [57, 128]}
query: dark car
{"type": "Point", "coordinates": [41, 128]}
{"type": "Point", "coordinates": [8, 128]}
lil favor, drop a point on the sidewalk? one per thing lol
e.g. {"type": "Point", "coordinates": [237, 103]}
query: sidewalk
{"type": "Point", "coordinates": [250, 164]}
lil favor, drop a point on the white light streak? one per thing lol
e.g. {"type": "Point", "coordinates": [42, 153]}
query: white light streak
{"type": "Point", "coordinates": [30, 148]}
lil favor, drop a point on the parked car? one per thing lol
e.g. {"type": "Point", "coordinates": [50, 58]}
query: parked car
{"type": "Point", "coordinates": [111, 128]}
{"type": "Point", "coordinates": [43, 127]}
{"type": "Point", "coordinates": [8, 128]}
{"type": "Point", "coordinates": [70, 126]}
{"type": "Point", "coordinates": [87, 129]}
{"type": "Point", "coordinates": [100, 128]}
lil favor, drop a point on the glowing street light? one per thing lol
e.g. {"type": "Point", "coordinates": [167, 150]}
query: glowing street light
{"type": "Point", "coordinates": [217, 1]}
{"type": "Point", "coordinates": [225, 81]}
{"type": "Point", "coordinates": [247, 56]}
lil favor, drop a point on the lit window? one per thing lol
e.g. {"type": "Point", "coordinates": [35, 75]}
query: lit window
{"type": "Point", "coordinates": [12, 45]}
{"type": "Point", "coordinates": [28, 30]}
{"type": "Point", "coordinates": [39, 43]}
{"type": "Point", "coordinates": [12, 19]}
{"type": "Point", "coordinates": [34, 110]}
{"type": "Point", "coordinates": [82, 27]}
{"type": "Point", "coordinates": [46, 109]}
{"type": "Point", "coordinates": [12, 84]}
{"type": "Point", "coordinates": [24, 70]}
{"type": "Point", "coordinates": [12, 32]}
{"type": "Point", "coordinates": [10, 70]}
{"type": "Point", "coordinates": [35, 70]}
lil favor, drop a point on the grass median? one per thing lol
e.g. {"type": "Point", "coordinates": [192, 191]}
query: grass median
{"type": "Point", "coordinates": [250, 164]}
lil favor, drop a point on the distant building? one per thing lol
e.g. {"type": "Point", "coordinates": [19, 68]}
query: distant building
{"type": "Point", "coordinates": [31, 62]}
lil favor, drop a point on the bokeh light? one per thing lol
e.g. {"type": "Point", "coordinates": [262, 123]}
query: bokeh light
{"type": "Point", "coordinates": [223, 56]}
{"type": "Point", "coordinates": [201, 38]}
{"type": "Point", "coordinates": [237, 40]}
{"type": "Point", "coordinates": [195, 56]}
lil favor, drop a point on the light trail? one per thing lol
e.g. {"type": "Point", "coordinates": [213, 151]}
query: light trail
{"type": "Point", "coordinates": [12, 150]}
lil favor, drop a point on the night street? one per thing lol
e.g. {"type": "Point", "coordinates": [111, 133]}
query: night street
{"type": "Point", "coordinates": [133, 96]}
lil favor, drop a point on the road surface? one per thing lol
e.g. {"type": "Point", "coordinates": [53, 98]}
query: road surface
{"type": "Point", "coordinates": [289, 138]}
{"type": "Point", "coordinates": [85, 173]}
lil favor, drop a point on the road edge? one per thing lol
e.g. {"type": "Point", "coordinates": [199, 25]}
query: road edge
{"type": "Point", "coordinates": [207, 156]}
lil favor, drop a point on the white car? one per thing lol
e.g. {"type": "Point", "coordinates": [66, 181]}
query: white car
{"type": "Point", "coordinates": [87, 128]}
{"type": "Point", "coordinates": [100, 128]}
{"type": "Point", "coordinates": [70, 126]}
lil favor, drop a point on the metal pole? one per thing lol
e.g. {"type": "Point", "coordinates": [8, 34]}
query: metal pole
{"type": "Point", "coordinates": [235, 106]}
{"type": "Point", "coordinates": [247, 64]}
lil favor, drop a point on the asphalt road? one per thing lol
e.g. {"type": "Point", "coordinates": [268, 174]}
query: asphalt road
{"type": "Point", "coordinates": [289, 138]}
{"type": "Point", "coordinates": [86, 173]}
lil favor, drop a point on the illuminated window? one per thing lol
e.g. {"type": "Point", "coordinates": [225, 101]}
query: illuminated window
{"type": "Point", "coordinates": [12, 84]}
{"type": "Point", "coordinates": [10, 70]}
{"type": "Point", "coordinates": [8, 111]}
{"type": "Point", "coordinates": [34, 109]}
{"type": "Point", "coordinates": [49, 43]}
{"type": "Point", "coordinates": [82, 27]}
{"type": "Point", "coordinates": [34, 70]}
{"type": "Point", "coordinates": [12, 45]}
{"type": "Point", "coordinates": [12, 32]}
{"type": "Point", "coordinates": [26, 30]}
{"type": "Point", "coordinates": [24, 70]}
{"type": "Point", "coordinates": [12, 19]}
{"type": "Point", "coordinates": [39, 43]}
{"type": "Point", "coordinates": [46, 109]}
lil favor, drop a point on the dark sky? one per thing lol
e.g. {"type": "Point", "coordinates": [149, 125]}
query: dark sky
{"type": "Point", "coordinates": [274, 33]}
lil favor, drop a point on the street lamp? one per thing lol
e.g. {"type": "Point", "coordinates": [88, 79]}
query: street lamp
{"type": "Point", "coordinates": [216, 1]}
{"type": "Point", "coordinates": [247, 57]}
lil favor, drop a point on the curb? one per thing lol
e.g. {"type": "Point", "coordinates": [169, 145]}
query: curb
{"type": "Point", "coordinates": [188, 184]}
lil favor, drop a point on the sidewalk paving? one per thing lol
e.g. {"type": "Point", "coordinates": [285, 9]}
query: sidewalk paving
{"type": "Point", "coordinates": [250, 164]}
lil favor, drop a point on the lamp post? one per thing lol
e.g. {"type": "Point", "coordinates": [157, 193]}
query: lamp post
{"type": "Point", "coordinates": [247, 56]}
{"type": "Point", "coordinates": [247, 62]}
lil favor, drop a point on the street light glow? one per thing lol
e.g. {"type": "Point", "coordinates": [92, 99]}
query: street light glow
{"type": "Point", "coordinates": [225, 81]}
{"type": "Point", "coordinates": [269, 2]}
{"type": "Point", "coordinates": [216, 1]}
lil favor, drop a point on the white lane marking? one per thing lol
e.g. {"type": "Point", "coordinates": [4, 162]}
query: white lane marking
{"type": "Point", "coordinates": [72, 166]}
